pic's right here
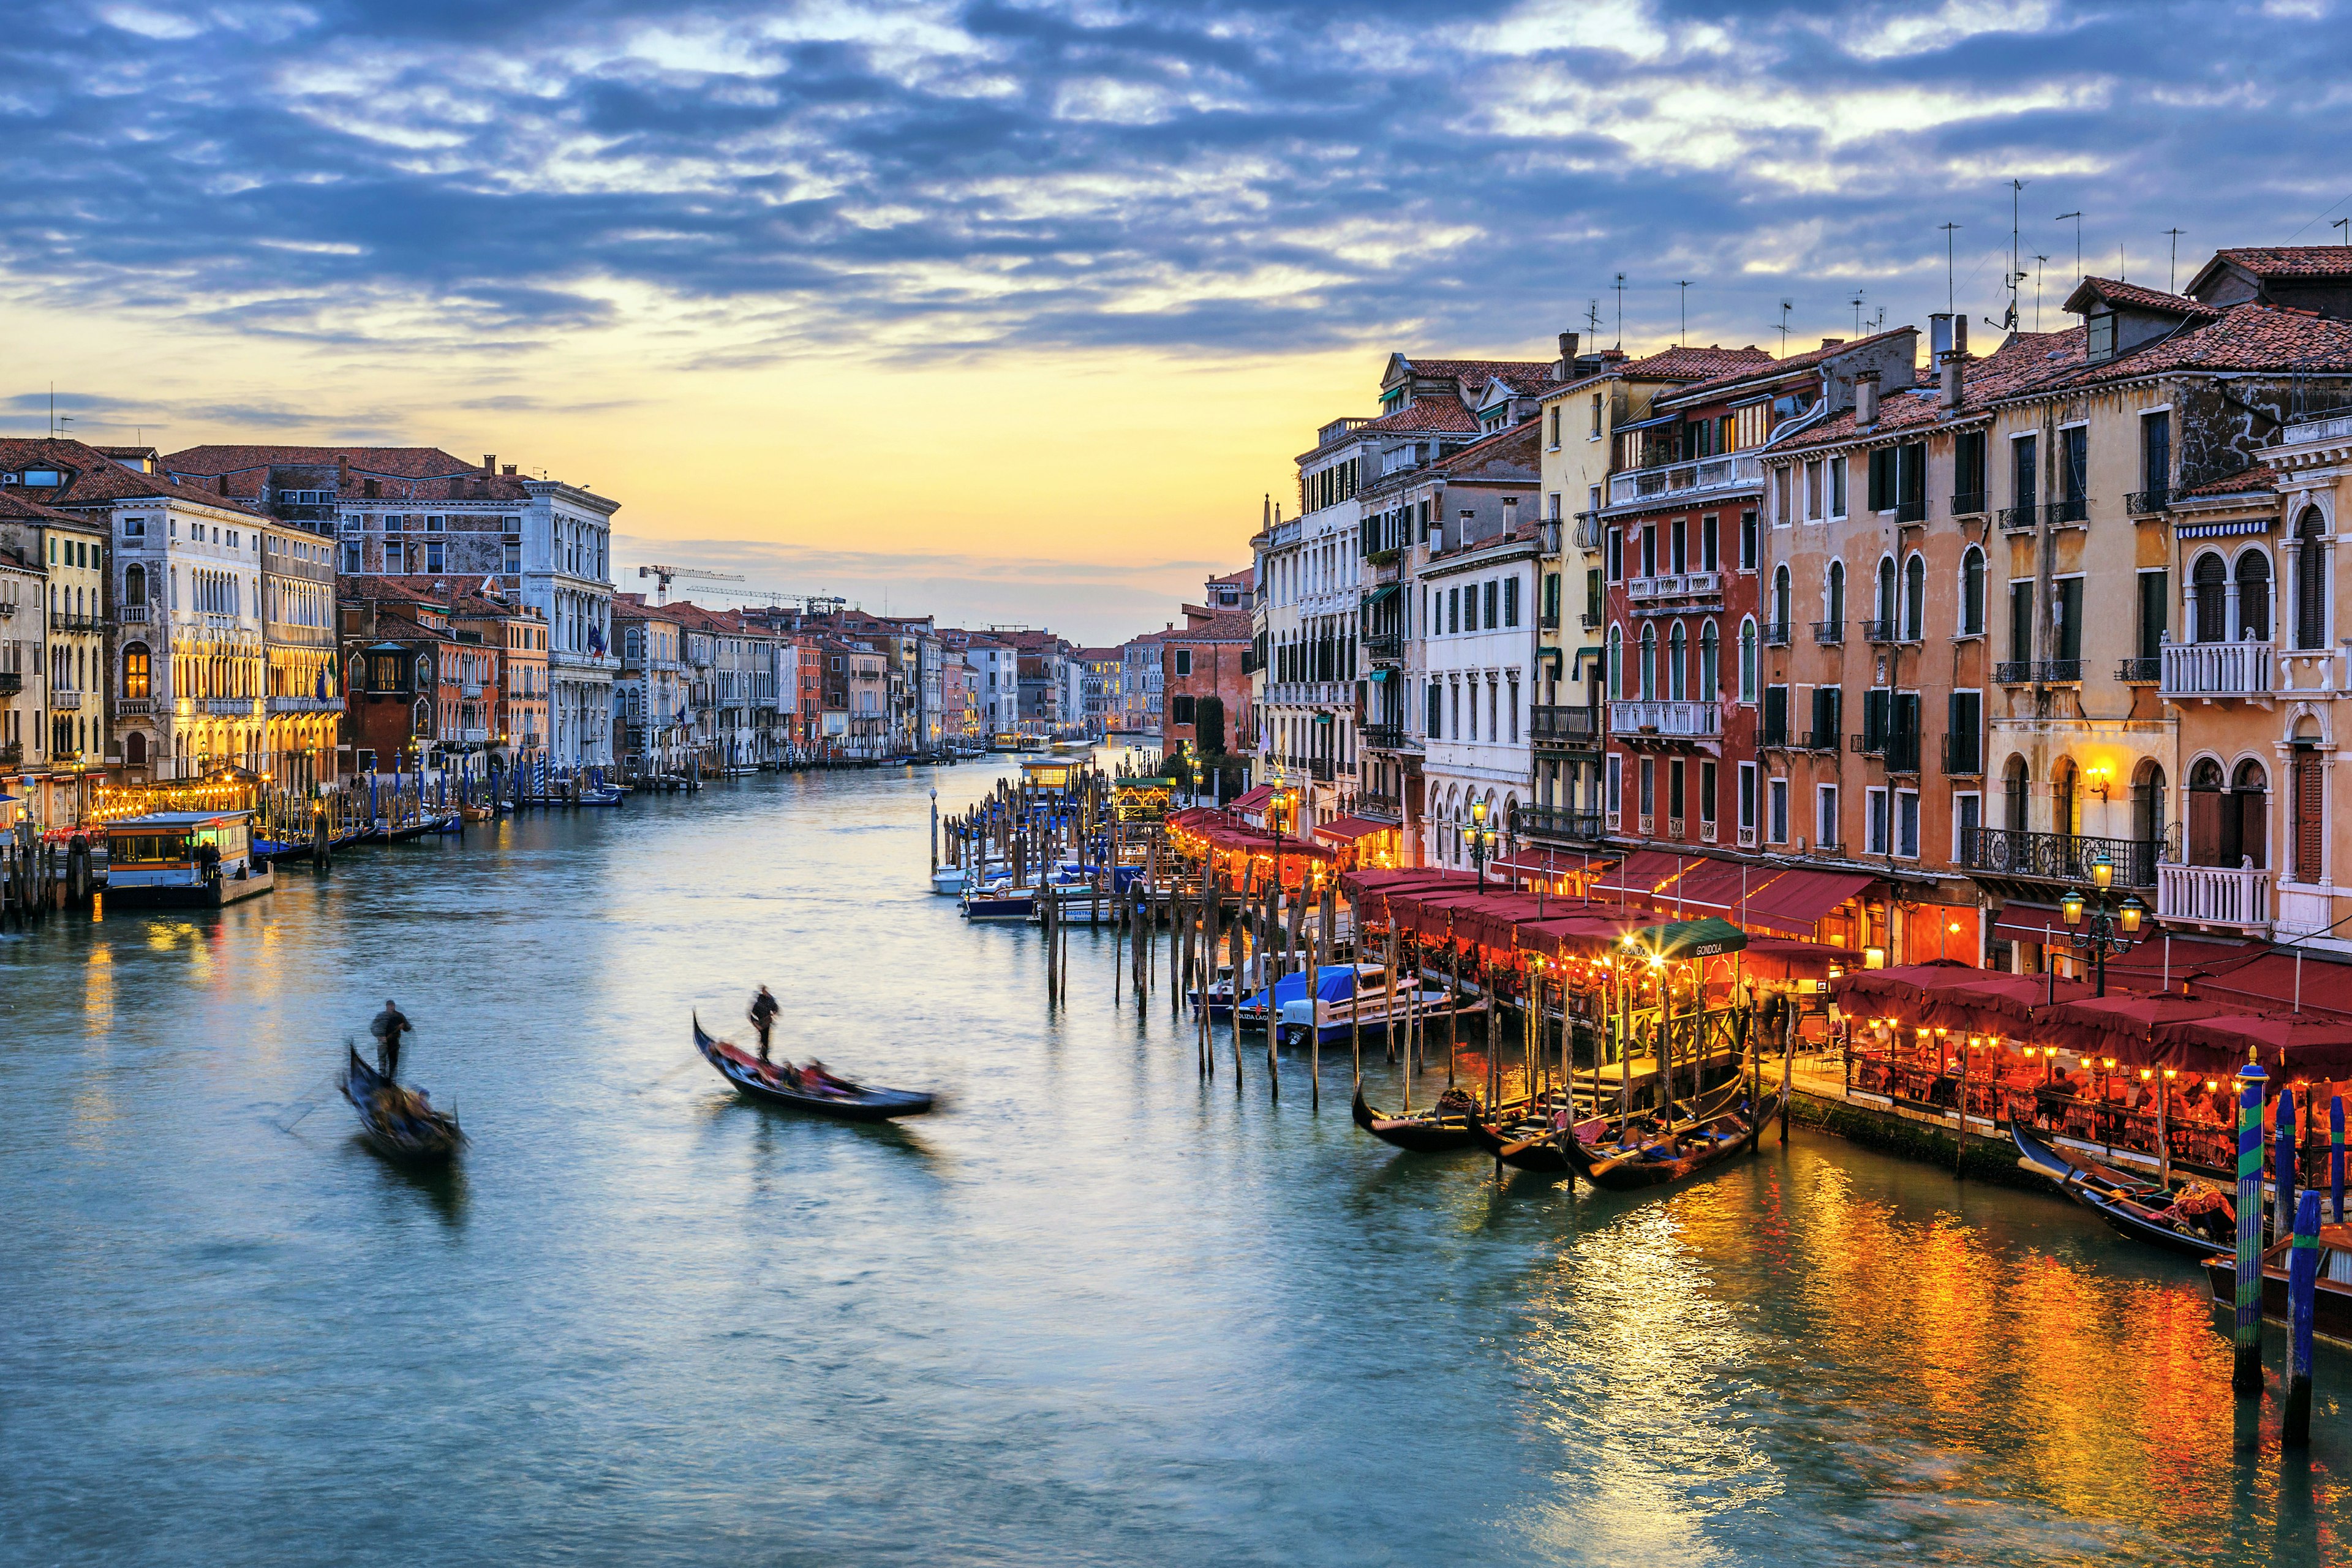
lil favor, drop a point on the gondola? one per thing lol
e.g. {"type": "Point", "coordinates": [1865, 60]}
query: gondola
{"type": "Point", "coordinates": [399, 1123]}
{"type": "Point", "coordinates": [844, 1101]}
{"type": "Point", "coordinates": [1714, 1132]}
{"type": "Point", "coordinates": [1444, 1127]}
{"type": "Point", "coordinates": [2331, 1304]}
{"type": "Point", "coordinates": [2137, 1206]}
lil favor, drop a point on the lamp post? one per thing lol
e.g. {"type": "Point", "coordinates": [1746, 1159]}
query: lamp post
{"type": "Point", "coordinates": [2098, 930]}
{"type": "Point", "coordinates": [1481, 841]}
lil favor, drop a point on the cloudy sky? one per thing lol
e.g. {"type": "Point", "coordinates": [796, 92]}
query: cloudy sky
{"type": "Point", "coordinates": [1014, 311]}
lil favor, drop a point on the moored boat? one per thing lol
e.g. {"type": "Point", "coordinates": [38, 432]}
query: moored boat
{"type": "Point", "coordinates": [398, 1122]}
{"type": "Point", "coordinates": [2331, 1306]}
{"type": "Point", "coordinates": [1647, 1156]}
{"type": "Point", "coordinates": [780, 1084]}
{"type": "Point", "coordinates": [2197, 1220]}
{"type": "Point", "coordinates": [1443, 1128]}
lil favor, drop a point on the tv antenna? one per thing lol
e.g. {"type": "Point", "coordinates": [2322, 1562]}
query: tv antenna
{"type": "Point", "coordinates": [2172, 273]}
{"type": "Point", "coordinates": [1786, 306]}
{"type": "Point", "coordinates": [1619, 287]}
{"type": "Point", "coordinates": [2039, 263]}
{"type": "Point", "coordinates": [1949, 229]}
{"type": "Point", "coordinates": [1856, 303]}
{"type": "Point", "coordinates": [2078, 240]}
{"type": "Point", "coordinates": [1684, 341]}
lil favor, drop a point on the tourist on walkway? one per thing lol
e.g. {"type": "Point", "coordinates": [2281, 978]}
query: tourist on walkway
{"type": "Point", "coordinates": [387, 1029]}
{"type": "Point", "coordinates": [763, 1017]}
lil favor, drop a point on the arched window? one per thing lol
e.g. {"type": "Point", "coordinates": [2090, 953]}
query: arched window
{"type": "Point", "coordinates": [138, 670]}
{"type": "Point", "coordinates": [1972, 591]}
{"type": "Point", "coordinates": [2310, 581]}
{"type": "Point", "coordinates": [2253, 597]}
{"type": "Point", "coordinates": [2248, 813]}
{"type": "Point", "coordinates": [1748, 659]}
{"type": "Point", "coordinates": [1781, 597]}
{"type": "Point", "coordinates": [1678, 648]}
{"type": "Point", "coordinates": [134, 584]}
{"type": "Point", "coordinates": [1650, 661]}
{"type": "Point", "coordinates": [2147, 803]}
{"type": "Point", "coordinates": [2013, 783]}
{"type": "Point", "coordinates": [1616, 662]}
{"type": "Point", "coordinates": [1837, 596]}
{"type": "Point", "coordinates": [134, 749]}
{"type": "Point", "coordinates": [2062, 779]}
{"type": "Point", "coordinates": [1711, 676]}
{"type": "Point", "coordinates": [1885, 610]}
{"type": "Point", "coordinates": [1915, 599]}
{"type": "Point", "coordinates": [2209, 589]}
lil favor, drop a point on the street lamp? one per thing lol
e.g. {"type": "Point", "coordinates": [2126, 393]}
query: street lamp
{"type": "Point", "coordinates": [1481, 841]}
{"type": "Point", "coordinates": [2100, 931]}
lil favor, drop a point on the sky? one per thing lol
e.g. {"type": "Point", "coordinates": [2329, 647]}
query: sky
{"type": "Point", "coordinates": [1013, 312]}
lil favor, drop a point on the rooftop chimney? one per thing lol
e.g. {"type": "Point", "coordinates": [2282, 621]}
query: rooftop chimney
{"type": "Point", "coordinates": [1832, 342]}
{"type": "Point", "coordinates": [1950, 372]}
{"type": "Point", "coordinates": [1568, 346]}
{"type": "Point", "coordinates": [342, 473]}
{"type": "Point", "coordinates": [1865, 398]}
{"type": "Point", "coordinates": [490, 462]}
{"type": "Point", "coordinates": [1940, 336]}
{"type": "Point", "coordinates": [510, 470]}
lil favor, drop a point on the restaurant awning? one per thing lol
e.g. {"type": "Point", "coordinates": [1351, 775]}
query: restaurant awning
{"type": "Point", "coordinates": [1347, 829]}
{"type": "Point", "coordinates": [1646, 874]}
{"type": "Point", "coordinates": [1797, 902]}
{"type": "Point", "coordinates": [2269, 982]}
{"type": "Point", "coordinates": [1581, 935]}
{"type": "Point", "coordinates": [2313, 1048]}
{"type": "Point", "coordinates": [1681, 940]}
{"type": "Point", "coordinates": [1549, 860]}
{"type": "Point", "coordinates": [1254, 798]}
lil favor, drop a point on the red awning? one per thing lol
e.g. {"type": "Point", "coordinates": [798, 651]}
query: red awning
{"type": "Point", "coordinates": [1581, 935]}
{"type": "Point", "coordinates": [2320, 1047]}
{"type": "Point", "coordinates": [1253, 798]}
{"type": "Point", "coordinates": [2269, 982]}
{"type": "Point", "coordinates": [2120, 1027]}
{"type": "Point", "coordinates": [1646, 873]}
{"type": "Point", "coordinates": [1373, 882]}
{"type": "Point", "coordinates": [1347, 829]}
{"type": "Point", "coordinates": [1796, 901]}
{"type": "Point", "coordinates": [1547, 861]}
{"type": "Point", "coordinates": [1786, 958]}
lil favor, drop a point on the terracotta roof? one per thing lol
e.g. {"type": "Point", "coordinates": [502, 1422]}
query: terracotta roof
{"type": "Point", "coordinates": [1768, 366]}
{"type": "Point", "coordinates": [1225, 625]}
{"type": "Point", "coordinates": [1519, 440]}
{"type": "Point", "coordinates": [96, 478]}
{"type": "Point", "coordinates": [14, 508]}
{"type": "Point", "coordinates": [1245, 578]}
{"type": "Point", "coordinates": [1528, 375]}
{"type": "Point", "coordinates": [2292, 261]}
{"type": "Point", "coordinates": [1444, 415]}
{"type": "Point", "coordinates": [397, 590]}
{"type": "Point", "coordinates": [2246, 337]}
{"type": "Point", "coordinates": [2015, 366]}
{"type": "Point", "coordinates": [2131, 296]}
{"type": "Point", "coordinates": [418, 473]}
{"type": "Point", "coordinates": [1684, 363]}
{"type": "Point", "coordinates": [2255, 480]}
{"type": "Point", "coordinates": [633, 607]}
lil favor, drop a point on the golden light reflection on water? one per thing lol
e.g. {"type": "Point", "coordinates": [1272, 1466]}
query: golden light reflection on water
{"type": "Point", "coordinates": [1694, 1354]}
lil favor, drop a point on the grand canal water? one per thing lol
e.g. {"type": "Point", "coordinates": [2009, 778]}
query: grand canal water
{"type": "Point", "coordinates": [1097, 1312]}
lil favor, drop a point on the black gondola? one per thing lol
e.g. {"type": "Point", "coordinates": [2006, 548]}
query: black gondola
{"type": "Point", "coordinates": [399, 1123]}
{"type": "Point", "coordinates": [2140, 1207]}
{"type": "Point", "coordinates": [1445, 1127]}
{"type": "Point", "coordinates": [845, 1101]}
{"type": "Point", "coordinates": [1715, 1130]}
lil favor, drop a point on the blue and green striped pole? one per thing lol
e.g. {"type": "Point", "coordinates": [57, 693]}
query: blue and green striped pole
{"type": "Point", "coordinates": [2285, 1168]}
{"type": "Point", "coordinates": [2302, 1295]}
{"type": "Point", "coordinates": [2247, 1375]}
{"type": "Point", "coordinates": [2335, 1155]}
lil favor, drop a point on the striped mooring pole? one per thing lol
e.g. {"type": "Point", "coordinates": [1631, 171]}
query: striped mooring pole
{"type": "Point", "coordinates": [2335, 1155]}
{"type": "Point", "coordinates": [2246, 1377]}
{"type": "Point", "coordinates": [2302, 1296]}
{"type": "Point", "coordinates": [2285, 1167]}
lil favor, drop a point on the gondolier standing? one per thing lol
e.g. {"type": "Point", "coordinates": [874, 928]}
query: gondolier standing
{"type": "Point", "coordinates": [388, 1026]}
{"type": "Point", "coordinates": [763, 1017]}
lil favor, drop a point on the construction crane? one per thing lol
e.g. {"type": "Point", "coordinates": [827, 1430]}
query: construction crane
{"type": "Point", "coordinates": [662, 575]}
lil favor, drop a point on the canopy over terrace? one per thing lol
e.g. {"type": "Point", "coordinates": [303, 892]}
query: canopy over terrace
{"type": "Point", "coordinates": [1210, 834]}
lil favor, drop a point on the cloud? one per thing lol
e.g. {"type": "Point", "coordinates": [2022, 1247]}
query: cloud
{"type": "Point", "coordinates": [1215, 178]}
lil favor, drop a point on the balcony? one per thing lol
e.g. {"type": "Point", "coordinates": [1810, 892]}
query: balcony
{"type": "Point", "coordinates": [1963, 757]}
{"type": "Point", "coordinates": [306, 705]}
{"type": "Point", "coordinates": [11, 682]}
{"type": "Point", "coordinates": [2019, 518]}
{"type": "Point", "coordinates": [1969, 503]}
{"type": "Point", "coordinates": [1666, 719]}
{"type": "Point", "coordinates": [1559, 822]}
{"type": "Point", "coordinates": [227, 707]}
{"type": "Point", "coordinates": [131, 615]}
{"type": "Point", "coordinates": [1385, 647]}
{"type": "Point", "coordinates": [2057, 856]}
{"type": "Point", "coordinates": [64, 621]}
{"type": "Point", "coordinates": [2076, 509]}
{"type": "Point", "coordinates": [2147, 503]}
{"type": "Point", "coordinates": [472, 693]}
{"type": "Point", "coordinates": [1589, 620]}
{"type": "Point", "coordinates": [1829, 634]}
{"type": "Point", "coordinates": [1774, 633]}
{"type": "Point", "coordinates": [1384, 737]}
{"type": "Point", "coordinates": [134, 707]}
{"type": "Point", "coordinates": [64, 702]}
{"type": "Point", "coordinates": [1588, 531]}
{"type": "Point", "coordinates": [1903, 754]}
{"type": "Point", "coordinates": [2207, 671]}
{"type": "Point", "coordinates": [1549, 621]}
{"type": "Point", "coordinates": [473, 737]}
{"type": "Point", "coordinates": [1677, 480]}
{"type": "Point", "coordinates": [1381, 807]}
{"type": "Point", "coordinates": [2214, 896]}
{"type": "Point", "coordinates": [1819, 740]}
{"type": "Point", "coordinates": [1879, 631]}
{"type": "Point", "coordinates": [1911, 511]}
{"type": "Point", "coordinates": [12, 753]}
{"type": "Point", "coordinates": [1320, 769]}
{"type": "Point", "coordinates": [1564, 727]}
{"type": "Point", "coordinates": [1674, 585]}
{"type": "Point", "coordinates": [2013, 672]}
{"type": "Point", "coordinates": [2140, 671]}
{"type": "Point", "coordinates": [2059, 672]}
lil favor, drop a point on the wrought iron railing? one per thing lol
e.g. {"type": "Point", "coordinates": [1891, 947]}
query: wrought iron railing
{"type": "Point", "coordinates": [1829, 634]}
{"type": "Point", "coordinates": [2059, 671]}
{"type": "Point", "coordinates": [1384, 645]}
{"type": "Point", "coordinates": [1964, 756]}
{"type": "Point", "coordinates": [1903, 752]}
{"type": "Point", "coordinates": [2076, 509]}
{"type": "Point", "coordinates": [2013, 672]}
{"type": "Point", "coordinates": [1968, 503]}
{"type": "Point", "coordinates": [2142, 503]}
{"type": "Point", "coordinates": [1879, 629]}
{"type": "Point", "coordinates": [1821, 740]}
{"type": "Point", "coordinates": [1384, 737]}
{"type": "Point", "coordinates": [1589, 620]}
{"type": "Point", "coordinates": [1559, 822]}
{"type": "Point", "coordinates": [2057, 856]}
{"type": "Point", "coordinates": [12, 681]}
{"type": "Point", "coordinates": [1562, 725]}
{"type": "Point", "coordinates": [1911, 511]}
{"type": "Point", "coordinates": [2140, 671]}
{"type": "Point", "coordinates": [1774, 633]}
{"type": "Point", "coordinates": [2019, 518]}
